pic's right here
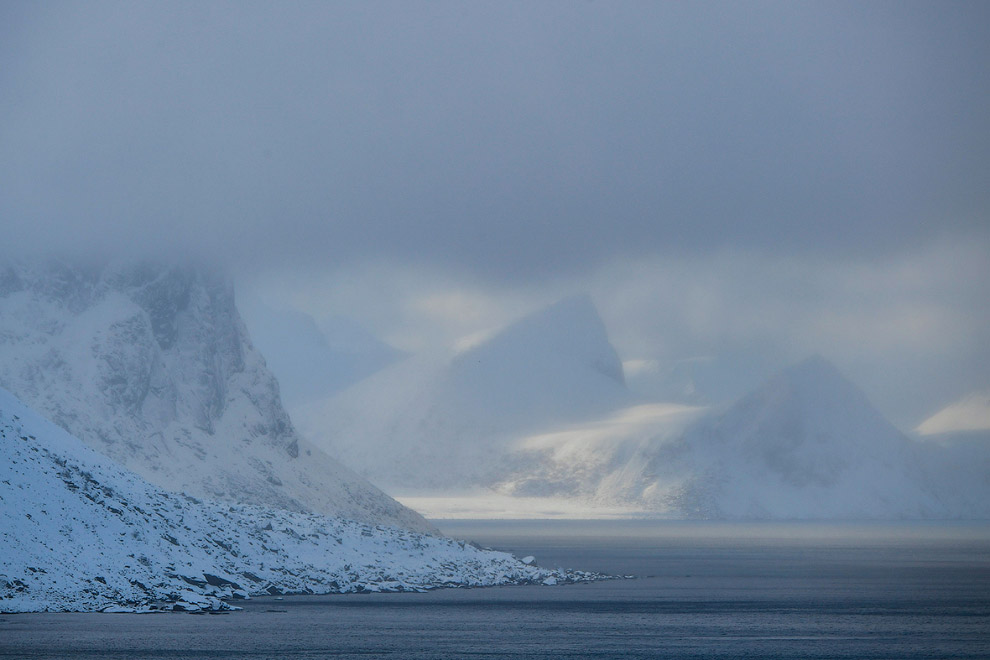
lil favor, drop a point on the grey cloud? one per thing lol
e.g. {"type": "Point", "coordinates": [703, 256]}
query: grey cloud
{"type": "Point", "coordinates": [436, 168]}
{"type": "Point", "coordinates": [504, 140]}
{"type": "Point", "coordinates": [911, 329]}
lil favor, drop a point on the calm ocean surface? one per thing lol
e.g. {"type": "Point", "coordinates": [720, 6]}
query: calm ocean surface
{"type": "Point", "coordinates": [702, 590]}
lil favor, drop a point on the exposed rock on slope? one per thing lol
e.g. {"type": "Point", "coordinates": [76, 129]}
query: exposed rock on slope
{"type": "Point", "coordinates": [445, 422]}
{"type": "Point", "coordinates": [78, 532]}
{"type": "Point", "coordinates": [153, 367]}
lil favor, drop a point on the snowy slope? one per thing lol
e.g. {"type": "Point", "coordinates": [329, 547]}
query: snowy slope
{"type": "Point", "coordinates": [956, 449]}
{"type": "Point", "coordinates": [603, 462]}
{"type": "Point", "coordinates": [970, 414]}
{"type": "Point", "coordinates": [555, 364]}
{"type": "Point", "coordinates": [438, 422]}
{"type": "Point", "coordinates": [153, 367]}
{"type": "Point", "coordinates": [78, 532]}
{"type": "Point", "coordinates": [807, 444]}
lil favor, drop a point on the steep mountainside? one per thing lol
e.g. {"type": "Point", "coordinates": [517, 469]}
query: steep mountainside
{"type": "Point", "coordinates": [78, 532]}
{"type": "Point", "coordinates": [153, 367]}
{"type": "Point", "coordinates": [437, 422]}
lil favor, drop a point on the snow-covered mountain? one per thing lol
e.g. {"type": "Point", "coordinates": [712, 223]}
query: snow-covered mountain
{"type": "Point", "coordinates": [78, 532]}
{"type": "Point", "coordinates": [153, 367]}
{"type": "Point", "coordinates": [807, 444]}
{"type": "Point", "coordinates": [440, 422]}
{"type": "Point", "coordinates": [311, 360]}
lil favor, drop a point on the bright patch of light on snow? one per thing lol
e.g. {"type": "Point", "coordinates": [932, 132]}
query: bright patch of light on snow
{"type": "Point", "coordinates": [633, 368]}
{"type": "Point", "coordinates": [970, 414]}
{"type": "Point", "coordinates": [486, 505]}
{"type": "Point", "coordinates": [467, 342]}
{"type": "Point", "coordinates": [618, 426]}
{"type": "Point", "coordinates": [588, 449]}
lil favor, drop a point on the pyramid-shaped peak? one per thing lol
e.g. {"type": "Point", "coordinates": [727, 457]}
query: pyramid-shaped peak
{"type": "Point", "coordinates": [812, 388]}
{"type": "Point", "coordinates": [569, 331]}
{"type": "Point", "coordinates": [576, 306]}
{"type": "Point", "coordinates": [817, 377]}
{"type": "Point", "coordinates": [815, 370]}
{"type": "Point", "coordinates": [806, 444]}
{"type": "Point", "coordinates": [574, 319]}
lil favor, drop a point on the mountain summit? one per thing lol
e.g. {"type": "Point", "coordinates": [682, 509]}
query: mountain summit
{"type": "Point", "coordinates": [152, 367]}
{"type": "Point", "coordinates": [807, 444]}
{"type": "Point", "coordinates": [555, 364]}
{"type": "Point", "coordinates": [436, 422]}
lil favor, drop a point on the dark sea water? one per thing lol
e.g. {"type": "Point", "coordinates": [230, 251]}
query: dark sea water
{"type": "Point", "coordinates": [702, 590]}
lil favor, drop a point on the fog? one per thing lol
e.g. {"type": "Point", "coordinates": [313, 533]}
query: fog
{"type": "Point", "coordinates": [745, 183]}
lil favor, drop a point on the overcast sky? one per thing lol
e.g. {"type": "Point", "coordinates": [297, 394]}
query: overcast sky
{"type": "Point", "coordinates": [726, 179]}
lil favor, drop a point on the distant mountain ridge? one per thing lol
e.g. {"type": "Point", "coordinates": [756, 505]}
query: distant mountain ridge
{"type": "Point", "coordinates": [152, 366]}
{"type": "Point", "coordinates": [540, 410]}
{"type": "Point", "coordinates": [807, 444]}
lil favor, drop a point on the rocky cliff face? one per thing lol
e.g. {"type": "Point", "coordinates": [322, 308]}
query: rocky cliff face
{"type": "Point", "coordinates": [153, 367]}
